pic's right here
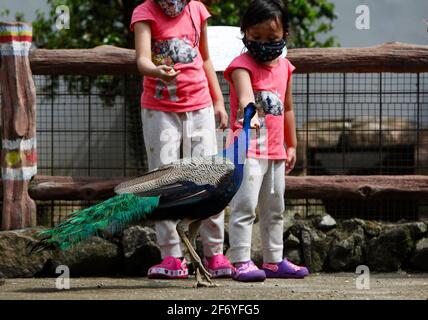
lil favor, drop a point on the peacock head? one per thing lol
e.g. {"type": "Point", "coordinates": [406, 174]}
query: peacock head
{"type": "Point", "coordinates": [249, 112]}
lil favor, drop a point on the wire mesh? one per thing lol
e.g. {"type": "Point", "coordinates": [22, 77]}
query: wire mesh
{"type": "Point", "coordinates": [347, 124]}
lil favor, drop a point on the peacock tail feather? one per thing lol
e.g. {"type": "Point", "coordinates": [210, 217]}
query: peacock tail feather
{"type": "Point", "coordinates": [108, 217]}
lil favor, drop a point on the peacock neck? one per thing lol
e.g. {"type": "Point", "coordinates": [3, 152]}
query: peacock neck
{"type": "Point", "coordinates": [237, 151]}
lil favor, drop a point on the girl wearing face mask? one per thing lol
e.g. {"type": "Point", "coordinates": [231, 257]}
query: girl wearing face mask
{"type": "Point", "coordinates": [261, 76]}
{"type": "Point", "coordinates": [180, 100]}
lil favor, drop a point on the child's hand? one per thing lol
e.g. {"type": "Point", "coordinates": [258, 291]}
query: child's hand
{"type": "Point", "coordinates": [221, 115]}
{"type": "Point", "coordinates": [167, 73]}
{"type": "Point", "coordinates": [255, 122]}
{"type": "Point", "coordinates": [291, 160]}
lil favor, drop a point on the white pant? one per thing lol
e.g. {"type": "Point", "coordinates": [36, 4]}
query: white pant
{"type": "Point", "coordinates": [164, 133]}
{"type": "Point", "coordinates": [263, 183]}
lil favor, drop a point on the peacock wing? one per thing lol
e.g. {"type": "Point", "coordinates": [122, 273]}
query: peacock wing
{"type": "Point", "coordinates": [189, 174]}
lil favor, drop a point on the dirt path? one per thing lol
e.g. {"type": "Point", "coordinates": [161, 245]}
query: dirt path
{"type": "Point", "coordinates": [318, 286]}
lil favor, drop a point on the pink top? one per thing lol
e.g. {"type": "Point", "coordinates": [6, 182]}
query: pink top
{"type": "Point", "coordinates": [175, 42]}
{"type": "Point", "coordinates": [269, 85]}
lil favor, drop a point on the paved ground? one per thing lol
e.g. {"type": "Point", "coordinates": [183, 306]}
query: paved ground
{"type": "Point", "coordinates": [317, 286]}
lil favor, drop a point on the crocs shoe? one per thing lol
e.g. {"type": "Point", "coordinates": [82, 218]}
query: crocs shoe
{"type": "Point", "coordinates": [169, 268]}
{"type": "Point", "coordinates": [248, 272]}
{"type": "Point", "coordinates": [285, 269]}
{"type": "Point", "coordinates": [219, 266]}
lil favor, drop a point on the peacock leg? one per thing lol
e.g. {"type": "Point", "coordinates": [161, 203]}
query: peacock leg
{"type": "Point", "coordinates": [193, 232]}
{"type": "Point", "coordinates": [182, 227]}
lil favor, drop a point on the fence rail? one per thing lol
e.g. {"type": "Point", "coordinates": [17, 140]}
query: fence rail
{"type": "Point", "coordinates": [390, 57]}
{"type": "Point", "coordinates": [413, 187]}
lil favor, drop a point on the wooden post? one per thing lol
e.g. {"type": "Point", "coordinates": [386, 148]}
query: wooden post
{"type": "Point", "coordinates": [18, 121]}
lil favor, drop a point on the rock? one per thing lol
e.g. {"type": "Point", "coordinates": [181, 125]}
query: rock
{"type": "Point", "coordinates": [347, 251]}
{"type": "Point", "coordinates": [372, 228]}
{"type": "Point", "coordinates": [419, 258]}
{"type": "Point", "coordinates": [288, 223]}
{"type": "Point", "coordinates": [2, 279]}
{"type": "Point", "coordinates": [315, 246]}
{"type": "Point", "coordinates": [327, 222]}
{"type": "Point", "coordinates": [256, 245]}
{"type": "Point", "coordinates": [352, 224]}
{"type": "Point", "coordinates": [92, 258]}
{"type": "Point", "coordinates": [292, 242]}
{"type": "Point", "coordinates": [390, 249]}
{"type": "Point", "coordinates": [417, 229]}
{"type": "Point", "coordinates": [15, 260]}
{"type": "Point", "coordinates": [140, 250]}
{"type": "Point", "coordinates": [294, 255]}
{"type": "Point", "coordinates": [299, 225]}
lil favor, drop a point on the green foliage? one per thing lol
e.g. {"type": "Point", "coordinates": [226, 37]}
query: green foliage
{"type": "Point", "coordinates": [92, 23]}
{"type": "Point", "coordinates": [308, 19]}
{"type": "Point", "coordinates": [5, 13]}
{"type": "Point", "coordinates": [101, 22]}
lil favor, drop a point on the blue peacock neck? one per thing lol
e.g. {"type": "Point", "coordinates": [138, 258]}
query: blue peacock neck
{"type": "Point", "coordinates": [237, 152]}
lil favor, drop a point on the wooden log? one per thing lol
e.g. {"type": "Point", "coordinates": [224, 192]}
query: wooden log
{"type": "Point", "coordinates": [18, 124]}
{"type": "Point", "coordinates": [100, 60]}
{"type": "Point", "coordinates": [388, 57]}
{"type": "Point", "coordinates": [69, 188]}
{"type": "Point", "coordinates": [308, 187]}
{"type": "Point", "coordinates": [357, 187]}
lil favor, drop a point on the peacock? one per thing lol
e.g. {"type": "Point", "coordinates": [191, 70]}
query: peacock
{"type": "Point", "coordinates": [189, 190]}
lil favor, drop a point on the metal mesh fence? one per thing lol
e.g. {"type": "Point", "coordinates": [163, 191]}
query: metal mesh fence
{"type": "Point", "coordinates": [347, 124]}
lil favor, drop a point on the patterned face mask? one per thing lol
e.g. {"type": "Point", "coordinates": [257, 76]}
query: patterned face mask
{"type": "Point", "coordinates": [172, 8]}
{"type": "Point", "coordinates": [266, 51]}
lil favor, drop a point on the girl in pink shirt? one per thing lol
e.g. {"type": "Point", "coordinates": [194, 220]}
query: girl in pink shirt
{"type": "Point", "coordinates": [181, 97]}
{"type": "Point", "coordinates": [261, 76]}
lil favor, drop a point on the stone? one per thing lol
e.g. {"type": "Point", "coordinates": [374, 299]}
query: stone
{"type": "Point", "coordinates": [299, 225]}
{"type": "Point", "coordinates": [419, 258]}
{"type": "Point", "coordinates": [292, 242]}
{"type": "Point", "coordinates": [417, 229]}
{"type": "Point", "coordinates": [15, 258]}
{"type": "Point", "coordinates": [256, 245]}
{"type": "Point", "coordinates": [327, 222]}
{"type": "Point", "coordinates": [315, 247]}
{"type": "Point", "coordinates": [288, 222]}
{"type": "Point", "coordinates": [388, 252]}
{"type": "Point", "coordinates": [372, 228]}
{"type": "Point", "coordinates": [91, 258]}
{"type": "Point", "coordinates": [2, 279]}
{"type": "Point", "coordinates": [294, 255]}
{"type": "Point", "coordinates": [140, 250]}
{"type": "Point", "coordinates": [347, 251]}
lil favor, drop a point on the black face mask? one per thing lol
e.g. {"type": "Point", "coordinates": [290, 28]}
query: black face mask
{"type": "Point", "coordinates": [266, 51]}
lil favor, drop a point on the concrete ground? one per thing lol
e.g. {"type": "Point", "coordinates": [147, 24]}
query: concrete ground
{"type": "Point", "coordinates": [317, 286]}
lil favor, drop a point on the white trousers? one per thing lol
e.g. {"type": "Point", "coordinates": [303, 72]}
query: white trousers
{"type": "Point", "coordinates": [164, 134]}
{"type": "Point", "coordinates": [263, 184]}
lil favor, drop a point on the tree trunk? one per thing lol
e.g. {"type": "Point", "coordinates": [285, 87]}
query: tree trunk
{"type": "Point", "coordinates": [19, 154]}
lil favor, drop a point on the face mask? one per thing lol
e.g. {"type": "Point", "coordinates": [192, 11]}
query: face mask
{"type": "Point", "coordinates": [266, 51]}
{"type": "Point", "coordinates": [172, 8]}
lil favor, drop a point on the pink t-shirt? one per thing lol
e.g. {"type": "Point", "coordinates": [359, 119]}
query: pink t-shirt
{"type": "Point", "coordinates": [175, 43]}
{"type": "Point", "coordinates": [269, 86]}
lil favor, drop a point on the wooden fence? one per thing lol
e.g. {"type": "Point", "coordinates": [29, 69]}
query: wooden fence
{"type": "Point", "coordinates": [19, 155]}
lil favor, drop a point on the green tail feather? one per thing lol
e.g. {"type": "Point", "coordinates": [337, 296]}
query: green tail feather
{"type": "Point", "coordinates": [110, 216]}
